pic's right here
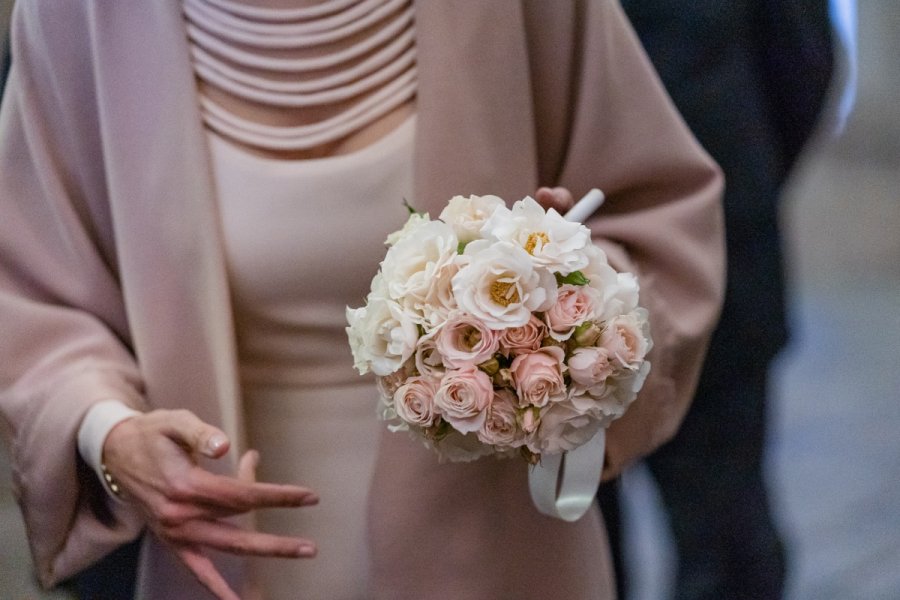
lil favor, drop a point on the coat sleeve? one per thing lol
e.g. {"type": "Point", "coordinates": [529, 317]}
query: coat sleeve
{"type": "Point", "coordinates": [64, 343]}
{"type": "Point", "coordinates": [662, 219]}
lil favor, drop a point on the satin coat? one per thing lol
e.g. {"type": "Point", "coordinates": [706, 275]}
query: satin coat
{"type": "Point", "coordinates": [112, 275]}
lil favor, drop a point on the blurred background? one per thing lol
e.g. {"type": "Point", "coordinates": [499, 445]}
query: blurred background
{"type": "Point", "coordinates": [833, 462]}
{"type": "Point", "coordinates": [834, 451]}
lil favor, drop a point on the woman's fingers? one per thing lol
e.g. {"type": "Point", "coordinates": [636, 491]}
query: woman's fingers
{"type": "Point", "coordinates": [558, 198]}
{"type": "Point", "coordinates": [203, 487]}
{"type": "Point", "coordinates": [188, 541]}
{"type": "Point", "coordinates": [247, 466]}
{"type": "Point", "coordinates": [205, 572]}
{"type": "Point", "coordinates": [154, 455]}
{"type": "Point", "coordinates": [229, 538]}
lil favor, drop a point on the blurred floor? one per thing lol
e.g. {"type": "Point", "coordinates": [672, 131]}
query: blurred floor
{"type": "Point", "coordinates": [835, 447]}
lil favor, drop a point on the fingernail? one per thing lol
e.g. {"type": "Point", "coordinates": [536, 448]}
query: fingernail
{"type": "Point", "coordinates": [310, 500]}
{"type": "Point", "coordinates": [306, 549]}
{"type": "Point", "coordinates": [215, 443]}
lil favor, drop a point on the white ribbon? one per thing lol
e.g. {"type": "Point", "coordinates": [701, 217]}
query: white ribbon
{"type": "Point", "coordinates": [585, 207]}
{"type": "Point", "coordinates": [564, 485]}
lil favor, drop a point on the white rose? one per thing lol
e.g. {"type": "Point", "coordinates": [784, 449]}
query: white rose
{"type": "Point", "coordinates": [601, 276]}
{"type": "Point", "coordinates": [410, 265]}
{"type": "Point", "coordinates": [459, 447]}
{"type": "Point", "coordinates": [553, 242]}
{"type": "Point", "coordinates": [414, 221]}
{"type": "Point", "coordinates": [501, 285]}
{"type": "Point", "coordinates": [604, 409]}
{"type": "Point", "coordinates": [619, 291]}
{"type": "Point", "coordinates": [610, 401]}
{"type": "Point", "coordinates": [440, 301]}
{"type": "Point", "coordinates": [563, 428]}
{"type": "Point", "coordinates": [382, 336]}
{"type": "Point", "coordinates": [621, 297]}
{"type": "Point", "coordinates": [467, 215]}
{"type": "Point", "coordinates": [627, 338]}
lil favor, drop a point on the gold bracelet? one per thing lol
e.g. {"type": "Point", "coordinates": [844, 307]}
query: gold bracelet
{"type": "Point", "coordinates": [111, 482]}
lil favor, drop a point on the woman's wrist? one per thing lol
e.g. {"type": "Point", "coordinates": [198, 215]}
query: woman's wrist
{"type": "Point", "coordinates": [96, 425]}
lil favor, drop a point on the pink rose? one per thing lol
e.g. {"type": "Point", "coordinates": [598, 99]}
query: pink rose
{"type": "Point", "coordinates": [414, 401]}
{"type": "Point", "coordinates": [427, 358]}
{"type": "Point", "coordinates": [589, 367]}
{"type": "Point", "coordinates": [527, 338]}
{"type": "Point", "coordinates": [500, 428]}
{"type": "Point", "coordinates": [464, 340]}
{"type": "Point", "coordinates": [464, 397]}
{"type": "Point", "coordinates": [538, 376]}
{"type": "Point", "coordinates": [574, 305]}
{"type": "Point", "coordinates": [625, 340]}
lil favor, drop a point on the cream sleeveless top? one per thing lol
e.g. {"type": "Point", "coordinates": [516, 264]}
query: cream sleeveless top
{"type": "Point", "coordinates": [303, 240]}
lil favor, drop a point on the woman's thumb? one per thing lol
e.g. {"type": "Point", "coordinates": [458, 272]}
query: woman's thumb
{"type": "Point", "coordinates": [199, 436]}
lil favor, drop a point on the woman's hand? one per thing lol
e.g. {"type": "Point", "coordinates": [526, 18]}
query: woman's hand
{"type": "Point", "coordinates": [559, 198]}
{"type": "Point", "coordinates": [153, 457]}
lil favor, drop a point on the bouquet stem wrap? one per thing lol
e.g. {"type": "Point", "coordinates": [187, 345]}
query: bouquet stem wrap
{"type": "Point", "coordinates": [564, 485]}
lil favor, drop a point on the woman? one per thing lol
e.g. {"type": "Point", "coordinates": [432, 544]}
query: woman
{"type": "Point", "coordinates": [140, 263]}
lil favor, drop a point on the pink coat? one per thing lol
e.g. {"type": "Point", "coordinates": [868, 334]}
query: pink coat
{"type": "Point", "coordinates": [112, 278]}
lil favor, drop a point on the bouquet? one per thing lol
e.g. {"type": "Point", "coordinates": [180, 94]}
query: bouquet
{"type": "Point", "coordinates": [503, 331]}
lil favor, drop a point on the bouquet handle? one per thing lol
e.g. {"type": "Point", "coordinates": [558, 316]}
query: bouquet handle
{"type": "Point", "coordinates": [586, 206]}
{"type": "Point", "coordinates": [564, 485]}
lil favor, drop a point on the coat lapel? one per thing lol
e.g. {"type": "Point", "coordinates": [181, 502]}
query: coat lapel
{"type": "Point", "coordinates": [163, 208]}
{"type": "Point", "coordinates": [474, 97]}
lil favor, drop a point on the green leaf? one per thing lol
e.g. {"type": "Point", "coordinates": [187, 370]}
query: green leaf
{"type": "Point", "coordinates": [409, 207]}
{"type": "Point", "coordinates": [461, 247]}
{"type": "Point", "coordinates": [573, 278]}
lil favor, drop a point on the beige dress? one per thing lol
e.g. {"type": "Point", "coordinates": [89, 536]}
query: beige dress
{"type": "Point", "coordinates": [100, 148]}
{"type": "Point", "coordinates": [303, 240]}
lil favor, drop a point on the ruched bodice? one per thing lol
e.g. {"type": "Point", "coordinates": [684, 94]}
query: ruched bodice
{"type": "Point", "coordinates": [297, 79]}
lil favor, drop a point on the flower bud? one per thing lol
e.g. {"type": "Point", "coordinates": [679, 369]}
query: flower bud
{"type": "Point", "coordinates": [530, 419]}
{"type": "Point", "coordinates": [503, 378]}
{"type": "Point", "coordinates": [587, 334]}
{"type": "Point", "coordinates": [491, 366]}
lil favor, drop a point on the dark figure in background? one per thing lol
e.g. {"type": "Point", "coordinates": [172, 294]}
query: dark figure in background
{"type": "Point", "coordinates": [4, 63]}
{"type": "Point", "coordinates": [750, 78]}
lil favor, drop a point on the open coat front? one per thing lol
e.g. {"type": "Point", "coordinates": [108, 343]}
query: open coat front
{"type": "Point", "coordinates": [112, 277]}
